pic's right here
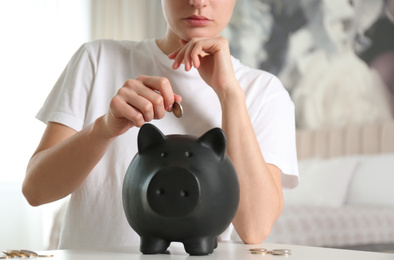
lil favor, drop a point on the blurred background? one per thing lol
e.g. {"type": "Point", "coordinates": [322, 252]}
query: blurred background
{"type": "Point", "coordinates": [336, 59]}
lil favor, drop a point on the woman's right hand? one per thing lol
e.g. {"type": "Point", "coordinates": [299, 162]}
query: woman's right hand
{"type": "Point", "coordinates": [139, 101]}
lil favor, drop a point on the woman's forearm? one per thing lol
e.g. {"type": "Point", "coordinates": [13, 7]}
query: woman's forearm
{"type": "Point", "coordinates": [56, 171]}
{"type": "Point", "coordinates": [260, 187]}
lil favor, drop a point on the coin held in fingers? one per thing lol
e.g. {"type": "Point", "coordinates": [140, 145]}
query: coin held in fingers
{"type": "Point", "coordinates": [177, 109]}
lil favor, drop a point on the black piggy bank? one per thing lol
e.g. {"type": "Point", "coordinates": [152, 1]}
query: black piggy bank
{"type": "Point", "coordinates": [180, 188]}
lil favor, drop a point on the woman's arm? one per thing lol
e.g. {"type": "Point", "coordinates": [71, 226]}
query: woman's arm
{"type": "Point", "coordinates": [62, 161]}
{"type": "Point", "coordinates": [260, 183]}
{"type": "Point", "coordinates": [261, 198]}
{"type": "Point", "coordinates": [65, 157]}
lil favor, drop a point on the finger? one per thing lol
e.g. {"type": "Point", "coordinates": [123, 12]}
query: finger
{"type": "Point", "coordinates": [144, 107]}
{"type": "Point", "coordinates": [178, 98]}
{"type": "Point", "coordinates": [146, 100]}
{"type": "Point", "coordinates": [174, 54]}
{"type": "Point", "coordinates": [122, 109]}
{"type": "Point", "coordinates": [162, 85]}
{"type": "Point", "coordinates": [182, 56]}
{"type": "Point", "coordinates": [138, 98]}
{"type": "Point", "coordinates": [196, 54]}
{"type": "Point", "coordinates": [179, 59]}
{"type": "Point", "coordinates": [156, 100]}
{"type": "Point", "coordinates": [183, 42]}
{"type": "Point", "coordinates": [187, 57]}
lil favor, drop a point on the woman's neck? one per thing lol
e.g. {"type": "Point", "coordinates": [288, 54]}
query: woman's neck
{"type": "Point", "coordinates": [169, 42]}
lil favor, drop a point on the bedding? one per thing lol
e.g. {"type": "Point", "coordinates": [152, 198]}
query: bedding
{"type": "Point", "coordinates": [322, 182]}
{"type": "Point", "coordinates": [343, 202]}
{"type": "Point", "coordinates": [373, 182]}
{"type": "Point", "coordinates": [334, 227]}
{"type": "Point", "coordinates": [355, 161]}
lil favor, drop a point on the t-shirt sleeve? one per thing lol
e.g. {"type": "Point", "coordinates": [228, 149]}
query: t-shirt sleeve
{"type": "Point", "coordinates": [275, 132]}
{"type": "Point", "coordinates": [68, 100]}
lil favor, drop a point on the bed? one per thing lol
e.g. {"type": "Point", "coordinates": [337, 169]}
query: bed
{"type": "Point", "coordinates": [346, 194]}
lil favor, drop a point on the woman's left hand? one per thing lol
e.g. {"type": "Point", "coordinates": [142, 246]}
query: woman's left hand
{"type": "Point", "coordinates": [211, 57]}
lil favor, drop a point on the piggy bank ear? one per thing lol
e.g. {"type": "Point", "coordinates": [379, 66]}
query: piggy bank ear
{"type": "Point", "coordinates": [215, 139]}
{"type": "Point", "coordinates": [149, 135]}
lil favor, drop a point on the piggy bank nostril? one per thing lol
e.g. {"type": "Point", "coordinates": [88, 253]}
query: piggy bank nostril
{"type": "Point", "coordinates": [188, 154]}
{"type": "Point", "coordinates": [163, 155]}
{"type": "Point", "coordinates": [184, 193]}
{"type": "Point", "coordinates": [159, 192]}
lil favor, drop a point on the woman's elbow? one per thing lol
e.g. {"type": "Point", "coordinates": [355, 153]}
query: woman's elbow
{"type": "Point", "coordinates": [29, 195]}
{"type": "Point", "coordinates": [259, 231]}
{"type": "Point", "coordinates": [255, 236]}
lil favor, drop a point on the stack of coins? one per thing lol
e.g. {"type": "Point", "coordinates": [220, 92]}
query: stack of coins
{"type": "Point", "coordinates": [264, 251]}
{"type": "Point", "coordinates": [8, 254]}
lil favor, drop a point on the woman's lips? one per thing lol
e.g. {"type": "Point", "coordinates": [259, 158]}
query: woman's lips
{"type": "Point", "coordinates": [198, 20]}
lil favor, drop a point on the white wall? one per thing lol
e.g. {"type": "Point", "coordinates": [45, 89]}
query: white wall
{"type": "Point", "coordinates": [38, 38]}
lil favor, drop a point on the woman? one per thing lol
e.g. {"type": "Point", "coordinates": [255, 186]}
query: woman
{"type": "Point", "coordinates": [92, 125]}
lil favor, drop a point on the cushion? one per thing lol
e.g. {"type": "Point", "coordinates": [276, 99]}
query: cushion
{"type": "Point", "coordinates": [373, 181]}
{"type": "Point", "coordinates": [323, 182]}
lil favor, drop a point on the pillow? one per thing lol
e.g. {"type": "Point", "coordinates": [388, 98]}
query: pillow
{"type": "Point", "coordinates": [323, 182]}
{"type": "Point", "coordinates": [373, 181]}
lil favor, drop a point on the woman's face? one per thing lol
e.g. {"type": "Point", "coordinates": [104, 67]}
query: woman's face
{"type": "Point", "coordinates": [197, 18]}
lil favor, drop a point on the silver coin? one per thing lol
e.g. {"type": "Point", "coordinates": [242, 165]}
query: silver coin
{"type": "Point", "coordinates": [281, 252]}
{"type": "Point", "coordinates": [177, 109]}
{"type": "Point", "coordinates": [259, 249]}
{"type": "Point", "coordinates": [259, 252]}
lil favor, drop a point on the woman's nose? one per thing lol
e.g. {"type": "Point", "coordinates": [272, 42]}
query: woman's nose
{"type": "Point", "coordinates": [198, 3]}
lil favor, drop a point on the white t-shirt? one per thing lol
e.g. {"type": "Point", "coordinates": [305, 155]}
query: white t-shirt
{"type": "Point", "coordinates": [95, 216]}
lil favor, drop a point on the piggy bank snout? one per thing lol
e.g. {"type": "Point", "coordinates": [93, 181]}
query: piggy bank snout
{"type": "Point", "coordinates": [173, 192]}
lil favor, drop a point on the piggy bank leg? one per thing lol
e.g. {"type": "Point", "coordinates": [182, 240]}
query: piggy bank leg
{"type": "Point", "coordinates": [200, 246]}
{"type": "Point", "coordinates": [151, 245]}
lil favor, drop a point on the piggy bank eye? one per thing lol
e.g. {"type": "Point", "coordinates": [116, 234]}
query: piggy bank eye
{"type": "Point", "coordinates": [163, 154]}
{"type": "Point", "coordinates": [188, 154]}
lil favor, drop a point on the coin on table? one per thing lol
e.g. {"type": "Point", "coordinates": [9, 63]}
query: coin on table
{"type": "Point", "coordinates": [28, 253]}
{"type": "Point", "coordinates": [259, 252]}
{"type": "Point", "coordinates": [5, 256]}
{"type": "Point", "coordinates": [281, 252]}
{"type": "Point", "coordinates": [177, 109]}
{"type": "Point", "coordinates": [17, 253]}
{"type": "Point", "coordinates": [259, 249]}
{"type": "Point", "coordinates": [45, 255]}
{"type": "Point", "coordinates": [7, 252]}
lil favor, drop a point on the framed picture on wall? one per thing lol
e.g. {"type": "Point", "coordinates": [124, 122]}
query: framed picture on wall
{"type": "Point", "coordinates": [335, 57]}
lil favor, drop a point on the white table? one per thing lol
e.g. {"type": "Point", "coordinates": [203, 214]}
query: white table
{"type": "Point", "coordinates": [225, 251]}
